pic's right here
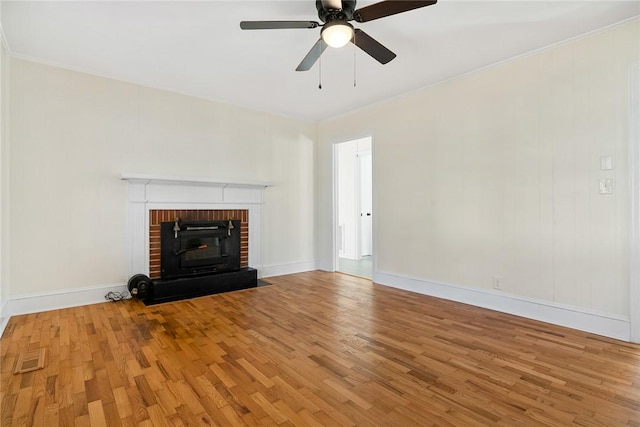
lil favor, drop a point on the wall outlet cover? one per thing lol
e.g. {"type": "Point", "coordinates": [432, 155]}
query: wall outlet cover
{"type": "Point", "coordinates": [606, 185]}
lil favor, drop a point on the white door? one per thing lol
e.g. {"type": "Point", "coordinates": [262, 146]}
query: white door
{"type": "Point", "coordinates": [366, 203]}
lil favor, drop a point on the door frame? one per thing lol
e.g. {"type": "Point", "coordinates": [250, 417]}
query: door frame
{"type": "Point", "coordinates": [359, 230]}
{"type": "Point", "coordinates": [634, 186]}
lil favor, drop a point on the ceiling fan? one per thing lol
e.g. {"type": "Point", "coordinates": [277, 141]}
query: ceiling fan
{"type": "Point", "coordinates": [337, 31]}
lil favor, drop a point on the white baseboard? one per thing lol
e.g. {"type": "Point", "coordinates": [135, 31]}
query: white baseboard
{"type": "Point", "coordinates": [46, 301]}
{"type": "Point", "coordinates": [282, 269]}
{"type": "Point", "coordinates": [608, 325]}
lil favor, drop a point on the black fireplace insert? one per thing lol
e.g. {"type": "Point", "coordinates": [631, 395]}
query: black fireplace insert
{"type": "Point", "coordinates": [191, 248]}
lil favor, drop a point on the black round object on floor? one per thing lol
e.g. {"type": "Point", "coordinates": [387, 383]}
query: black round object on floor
{"type": "Point", "coordinates": [140, 286]}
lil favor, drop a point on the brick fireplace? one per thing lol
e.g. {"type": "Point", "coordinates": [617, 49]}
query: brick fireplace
{"type": "Point", "coordinates": [157, 216]}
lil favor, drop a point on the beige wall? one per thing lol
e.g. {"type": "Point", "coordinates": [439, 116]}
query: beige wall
{"type": "Point", "coordinates": [496, 174]}
{"type": "Point", "coordinates": [3, 181]}
{"type": "Point", "coordinates": [72, 134]}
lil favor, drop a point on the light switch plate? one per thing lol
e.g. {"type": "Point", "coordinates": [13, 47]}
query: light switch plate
{"type": "Point", "coordinates": [606, 185]}
{"type": "Point", "coordinates": [606, 163]}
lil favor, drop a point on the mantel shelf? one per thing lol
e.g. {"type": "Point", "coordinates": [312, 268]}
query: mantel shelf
{"type": "Point", "coordinates": [193, 180]}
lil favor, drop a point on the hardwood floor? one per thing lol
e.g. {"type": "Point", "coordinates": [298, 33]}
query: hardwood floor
{"type": "Point", "coordinates": [313, 349]}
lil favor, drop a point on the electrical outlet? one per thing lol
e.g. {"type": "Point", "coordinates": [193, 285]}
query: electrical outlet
{"type": "Point", "coordinates": [497, 282]}
{"type": "Point", "coordinates": [606, 185]}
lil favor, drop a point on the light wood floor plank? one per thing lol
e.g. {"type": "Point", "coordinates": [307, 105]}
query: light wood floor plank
{"type": "Point", "coordinates": [313, 349]}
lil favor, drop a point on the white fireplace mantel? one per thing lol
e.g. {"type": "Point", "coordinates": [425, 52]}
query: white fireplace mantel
{"type": "Point", "coordinates": [149, 192]}
{"type": "Point", "coordinates": [194, 180]}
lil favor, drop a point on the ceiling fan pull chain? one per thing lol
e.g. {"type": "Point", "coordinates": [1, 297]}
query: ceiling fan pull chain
{"type": "Point", "coordinates": [354, 60]}
{"type": "Point", "coordinates": [320, 68]}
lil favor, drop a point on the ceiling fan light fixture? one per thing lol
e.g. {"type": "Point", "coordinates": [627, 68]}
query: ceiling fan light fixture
{"type": "Point", "coordinates": [337, 33]}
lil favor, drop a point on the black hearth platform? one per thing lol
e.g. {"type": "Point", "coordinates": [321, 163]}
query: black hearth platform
{"type": "Point", "coordinates": [166, 290]}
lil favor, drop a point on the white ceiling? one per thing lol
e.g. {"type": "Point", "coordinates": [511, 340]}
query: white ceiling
{"type": "Point", "coordinates": [197, 48]}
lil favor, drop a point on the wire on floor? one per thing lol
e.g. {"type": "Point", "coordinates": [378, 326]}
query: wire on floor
{"type": "Point", "coordinates": [117, 296]}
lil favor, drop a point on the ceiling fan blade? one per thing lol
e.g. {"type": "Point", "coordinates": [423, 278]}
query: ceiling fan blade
{"type": "Point", "coordinates": [312, 56]}
{"type": "Point", "coordinates": [332, 4]}
{"type": "Point", "coordinates": [277, 25]}
{"type": "Point", "coordinates": [387, 8]}
{"type": "Point", "coordinates": [367, 43]}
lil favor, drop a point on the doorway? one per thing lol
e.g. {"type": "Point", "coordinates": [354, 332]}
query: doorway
{"type": "Point", "coordinates": [353, 175]}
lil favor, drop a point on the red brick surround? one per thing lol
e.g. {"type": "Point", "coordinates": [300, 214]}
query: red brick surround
{"type": "Point", "coordinates": [158, 216]}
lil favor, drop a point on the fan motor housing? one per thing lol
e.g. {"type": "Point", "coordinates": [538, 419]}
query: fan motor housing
{"type": "Point", "coordinates": [329, 15]}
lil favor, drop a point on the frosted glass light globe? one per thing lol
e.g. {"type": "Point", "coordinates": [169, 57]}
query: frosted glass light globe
{"type": "Point", "coordinates": [337, 33]}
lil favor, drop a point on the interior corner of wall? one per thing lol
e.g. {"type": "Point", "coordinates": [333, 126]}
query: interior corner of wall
{"type": "Point", "coordinates": [4, 317]}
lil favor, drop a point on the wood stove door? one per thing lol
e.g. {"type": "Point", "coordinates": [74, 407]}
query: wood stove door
{"type": "Point", "coordinates": [202, 248]}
